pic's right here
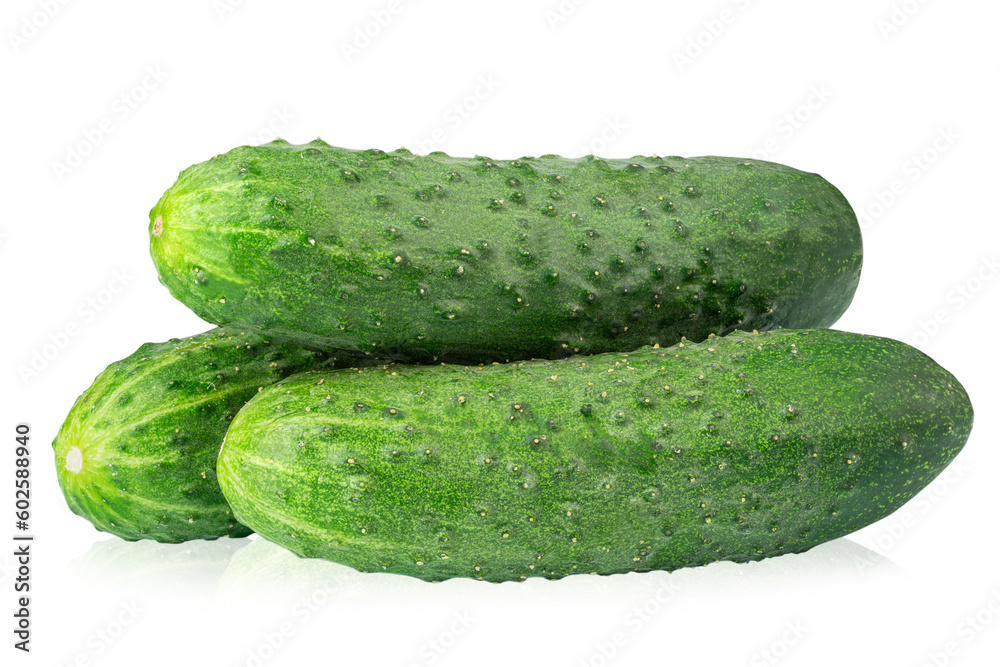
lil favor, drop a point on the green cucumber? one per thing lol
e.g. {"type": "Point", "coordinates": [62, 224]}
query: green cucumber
{"type": "Point", "coordinates": [736, 448]}
{"type": "Point", "coordinates": [136, 454]}
{"type": "Point", "coordinates": [469, 260]}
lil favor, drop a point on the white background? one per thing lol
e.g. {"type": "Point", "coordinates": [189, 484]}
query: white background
{"type": "Point", "coordinates": [104, 102]}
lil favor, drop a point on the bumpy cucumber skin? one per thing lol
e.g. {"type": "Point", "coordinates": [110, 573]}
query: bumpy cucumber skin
{"type": "Point", "coordinates": [142, 440]}
{"type": "Point", "coordinates": [436, 258]}
{"type": "Point", "coordinates": [736, 448]}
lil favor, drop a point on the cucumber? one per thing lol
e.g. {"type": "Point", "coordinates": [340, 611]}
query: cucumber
{"type": "Point", "coordinates": [736, 448]}
{"type": "Point", "coordinates": [136, 454]}
{"type": "Point", "coordinates": [470, 260]}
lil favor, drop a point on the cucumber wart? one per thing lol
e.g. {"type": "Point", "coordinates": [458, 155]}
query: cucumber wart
{"type": "Point", "coordinates": [438, 258]}
{"type": "Point", "coordinates": [736, 448]}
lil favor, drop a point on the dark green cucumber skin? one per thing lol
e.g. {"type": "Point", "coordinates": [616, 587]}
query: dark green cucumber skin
{"type": "Point", "coordinates": [149, 428]}
{"type": "Point", "coordinates": [470, 260]}
{"type": "Point", "coordinates": [736, 448]}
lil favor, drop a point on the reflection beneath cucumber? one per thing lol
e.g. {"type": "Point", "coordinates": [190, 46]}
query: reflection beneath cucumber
{"type": "Point", "coordinates": [255, 571]}
{"type": "Point", "coordinates": [147, 566]}
{"type": "Point", "coordinates": [265, 573]}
